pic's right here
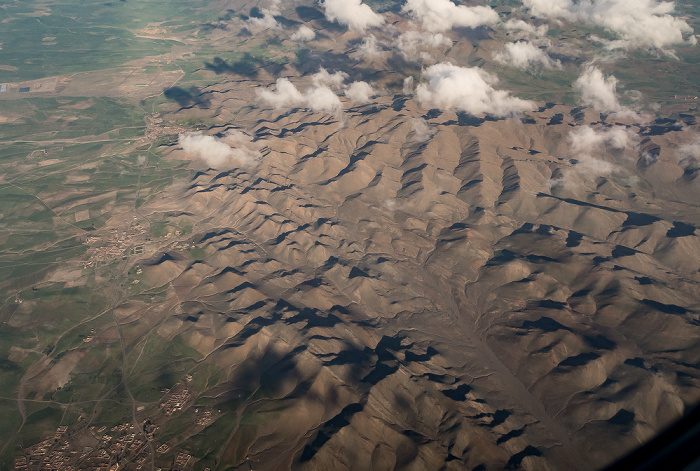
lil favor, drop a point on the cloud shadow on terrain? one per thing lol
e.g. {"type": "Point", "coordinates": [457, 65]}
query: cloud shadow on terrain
{"type": "Point", "coordinates": [248, 66]}
{"type": "Point", "coordinates": [187, 98]}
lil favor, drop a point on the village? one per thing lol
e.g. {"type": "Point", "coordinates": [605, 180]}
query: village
{"type": "Point", "coordinates": [120, 243]}
{"type": "Point", "coordinates": [122, 446]}
{"type": "Point", "coordinates": [114, 245]}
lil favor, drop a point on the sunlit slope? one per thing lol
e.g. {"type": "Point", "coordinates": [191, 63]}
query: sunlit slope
{"type": "Point", "coordinates": [444, 292]}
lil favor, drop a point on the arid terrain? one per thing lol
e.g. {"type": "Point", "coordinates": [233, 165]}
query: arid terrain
{"type": "Point", "coordinates": [238, 270]}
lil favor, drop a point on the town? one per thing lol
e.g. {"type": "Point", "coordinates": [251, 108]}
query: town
{"type": "Point", "coordinates": [123, 446]}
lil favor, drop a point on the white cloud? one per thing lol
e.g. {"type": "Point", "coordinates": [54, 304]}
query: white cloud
{"type": "Point", "coordinates": [587, 143]}
{"type": "Point", "coordinates": [523, 29]}
{"type": "Point", "coordinates": [691, 150]}
{"type": "Point", "coordinates": [392, 204]}
{"type": "Point", "coordinates": [318, 97]}
{"type": "Point", "coordinates": [638, 23]}
{"type": "Point", "coordinates": [414, 45]}
{"type": "Point", "coordinates": [599, 91]}
{"type": "Point", "coordinates": [370, 48]}
{"type": "Point", "coordinates": [586, 139]}
{"type": "Point", "coordinates": [421, 130]}
{"type": "Point", "coordinates": [352, 13]}
{"type": "Point", "coordinates": [360, 92]}
{"type": "Point", "coordinates": [268, 20]}
{"type": "Point", "coordinates": [274, 7]}
{"type": "Point", "coordinates": [523, 54]}
{"type": "Point", "coordinates": [647, 159]}
{"type": "Point", "coordinates": [689, 155]}
{"type": "Point", "coordinates": [408, 85]}
{"type": "Point", "coordinates": [467, 89]}
{"type": "Point", "coordinates": [285, 95]}
{"type": "Point", "coordinates": [323, 77]}
{"type": "Point", "coordinates": [303, 34]}
{"type": "Point", "coordinates": [593, 167]}
{"type": "Point", "coordinates": [322, 98]}
{"type": "Point", "coordinates": [551, 8]}
{"type": "Point", "coordinates": [443, 15]}
{"type": "Point", "coordinates": [219, 152]}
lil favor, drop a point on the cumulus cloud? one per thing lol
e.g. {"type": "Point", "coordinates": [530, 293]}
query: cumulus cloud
{"type": "Point", "coordinates": [303, 34]}
{"type": "Point", "coordinates": [600, 92]}
{"type": "Point", "coordinates": [267, 21]}
{"type": "Point", "coordinates": [647, 159]}
{"type": "Point", "coordinates": [408, 85]}
{"type": "Point", "coordinates": [352, 13]}
{"type": "Point", "coordinates": [274, 7]}
{"type": "Point", "coordinates": [587, 144]}
{"type": "Point", "coordinates": [421, 130]}
{"type": "Point", "coordinates": [638, 23]}
{"type": "Point", "coordinates": [593, 167]}
{"type": "Point", "coordinates": [285, 95]}
{"type": "Point", "coordinates": [443, 15]}
{"type": "Point", "coordinates": [325, 78]}
{"type": "Point", "coordinates": [529, 49]}
{"type": "Point", "coordinates": [235, 148]}
{"type": "Point", "coordinates": [393, 204]}
{"type": "Point", "coordinates": [467, 89]}
{"type": "Point", "coordinates": [320, 96]}
{"type": "Point", "coordinates": [691, 150]}
{"type": "Point", "coordinates": [524, 29]}
{"type": "Point", "coordinates": [551, 8]}
{"type": "Point", "coordinates": [370, 48]}
{"type": "Point", "coordinates": [523, 55]}
{"type": "Point", "coordinates": [586, 139]}
{"type": "Point", "coordinates": [689, 155]}
{"type": "Point", "coordinates": [360, 92]}
{"type": "Point", "coordinates": [414, 45]}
